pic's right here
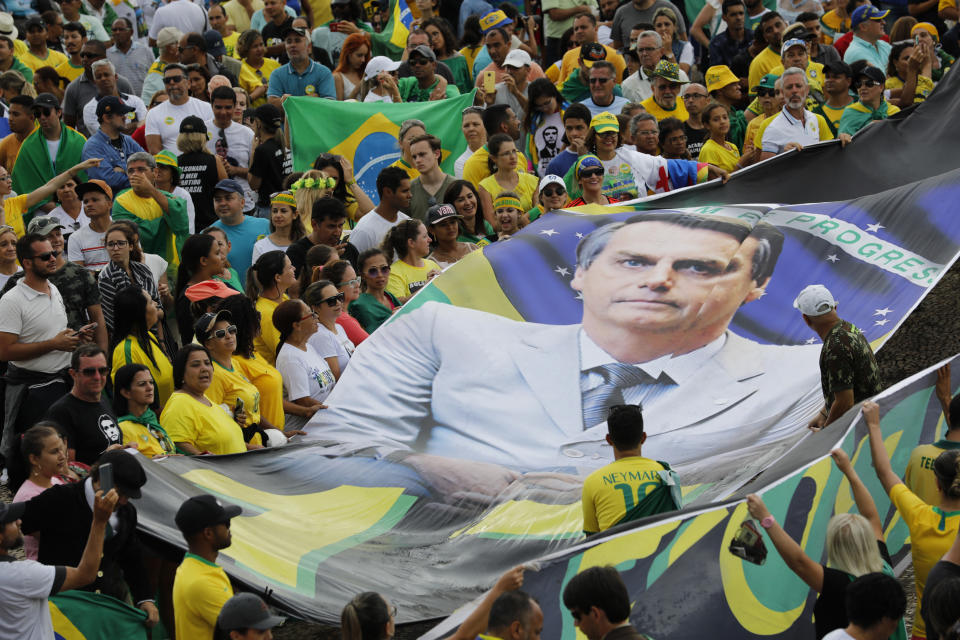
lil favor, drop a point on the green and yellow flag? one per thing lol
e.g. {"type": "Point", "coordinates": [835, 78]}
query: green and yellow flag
{"type": "Point", "coordinates": [393, 39]}
{"type": "Point", "coordinates": [81, 615]}
{"type": "Point", "coordinates": [161, 232]}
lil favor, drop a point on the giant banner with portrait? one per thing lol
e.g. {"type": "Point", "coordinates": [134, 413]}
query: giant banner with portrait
{"type": "Point", "coordinates": [455, 443]}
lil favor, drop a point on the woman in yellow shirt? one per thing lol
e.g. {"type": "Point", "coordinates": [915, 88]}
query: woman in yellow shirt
{"type": "Point", "coordinates": [506, 176]}
{"type": "Point", "coordinates": [412, 271]}
{"type": "Point", "coordinates": [716, 150]}
{"type": "Point", "coordinates": [267, 283]}
{"type": "Point", "coordinates": [134, 401]}
{"type": "Point", "coordinates": [194, 423]}
{"type": "Point", "coordinates": [135, 315]}
{"type": "Point", "coordinates": [256, 67]}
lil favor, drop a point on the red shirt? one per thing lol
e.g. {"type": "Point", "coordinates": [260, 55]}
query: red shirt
{"type": "Point", "coordinates": [579, 202]}
{"type": "Point", "coordinates": [354, 331]}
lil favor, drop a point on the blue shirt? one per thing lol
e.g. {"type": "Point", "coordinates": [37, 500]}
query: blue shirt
{"type": "Point", "coordinates": [481, 61]}
{"type": "Point", "coordinates": [860, 49]}
{"type": "Point", "coordinates": [471, 8]}
{"type": "Point", "coordinates": [317, 80]}
{"type": "Point", "coordinates": [99, 146]}
{"type": "Point", "coordinates": [242, 237]}
{"type": "Point", "coordinates": [562, 163]}
{"type": "Point", "coordinates": [258, 21]}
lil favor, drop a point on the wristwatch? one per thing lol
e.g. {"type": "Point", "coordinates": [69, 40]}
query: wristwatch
{"type": "Point", "coordinates": [767, 522]}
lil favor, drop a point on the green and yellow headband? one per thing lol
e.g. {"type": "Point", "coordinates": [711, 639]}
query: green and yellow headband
{"type": "Point", "coordinates": [284, 197]}
{"type": "Point", "coordinates": [314, 183]}
{"type": "Point", "coordinates": [506, 201]}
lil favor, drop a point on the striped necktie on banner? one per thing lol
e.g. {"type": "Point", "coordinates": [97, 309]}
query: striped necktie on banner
{"type": "Point", "coordinates": [617, 376]}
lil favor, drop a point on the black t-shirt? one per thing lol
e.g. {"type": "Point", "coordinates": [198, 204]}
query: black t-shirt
{"type": "Point", "coordinates": [930, 16]}
{"type": "Point", "coordinates": [695, 140]}
{"type": "Point", "coordinates": [90, 427]}
{"type": "Point", "coordinates": [271, 163]}
{"type": "Point", "coordinates": [198, 176]}
{"type": "Point", "coordinates": [830, 611]}
{"type": "Point", "coordinates": [941, 571]}
{"type": "Point", "coordinates": [273, 35]}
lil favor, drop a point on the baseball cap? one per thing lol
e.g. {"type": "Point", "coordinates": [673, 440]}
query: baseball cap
{"type": "Point", "coordinates": [440, 212]}
{"type": "Point", "coordinates": [192, 124]}
{"type": "Point", "coordinates": [517, 59]}
{"type": "Point", "coordinates": [815, 300]}
{"type": "Point", "coordinates": [168, 36]}
{"type": "Point", "coordinates": [205, 324]}
{"type": "Point", "coordinates": [93, 185]}
{"type": "Point", "coordinates": [838, 67]}
{"type": "Point", "coordinates": [167, 159]}
{"type": "Point", "coordinates": [797, 30]}
{"type": "Point", "coordinates": [44, 225]}
{"type": "Point", "coordinates": [199, 512]}
{"type": "Point", "coordinates": [46, 100]}
{"type": "Point", "coordinates": [230, 185]}
{"type": "Point", "coordinates": [247, 611]}
{"type": "Point", "coordinates": [269, 115]}
{"type": "Point", "coordinates": [591, 52]}
{"type": "Point", "coordinates": [424, 51]}
{"type": "Point", "coordinates": [11, 512]}
{"type": "Point", "coordinates": [378, 64]}
{"type": "Point", "coordinates": [128, 475]}
{"type": "Point", "coordinates": [33, 21]}
{"type": "Point", "coordinates": [112, 104]}
{"type": "Point", "coordinates": [587, 162]}
{"type": "Point", "coordinates": [605, 121]}
{"type": "Point", "coordinates": [494, 19]}
{"type": "Point", "coordinates": [792, 42]}
{"type": "Point", "coordinates": [549, 179]}
{"type": "Point", "coordinates": [866, 12]}
{"type": "Point", "coordinates": [873, 73]}
{"type": "Point", "coordinates": [292, 29]}
{"type": "Point", "coordinates": [214, 42]}
{"type": "Point", "coordinates": [719, 76]}
{"type": "Point", "coordinates": [208, 289]}
{"type": "Point", "coordinates": [768, 82]}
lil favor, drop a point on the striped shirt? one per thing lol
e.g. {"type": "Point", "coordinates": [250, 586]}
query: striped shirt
{"type": "Point", "coordinates": [113, 278]}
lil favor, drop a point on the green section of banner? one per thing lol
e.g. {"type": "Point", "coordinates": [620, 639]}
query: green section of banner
{"type": "Point", "coordinates": [80, 615]}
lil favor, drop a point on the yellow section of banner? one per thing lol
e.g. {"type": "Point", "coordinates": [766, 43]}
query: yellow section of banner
{"type": "Point", "coordinates": [528, 519]}
{"type": "Point", "coordinates": [63, 628]}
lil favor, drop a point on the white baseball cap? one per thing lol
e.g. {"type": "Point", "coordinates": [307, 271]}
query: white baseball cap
{"type": "Point", "coordinates": [815, 300]}
{"type": "Point", "coordinates": [517, 58]}
{"type": "Point", "coordinates": [548, 180]}
{"type": "Point", "coordinates": [378, 64]}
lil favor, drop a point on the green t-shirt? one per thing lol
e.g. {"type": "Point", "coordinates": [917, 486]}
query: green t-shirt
{"type": "Point", "coordinates": [410, 90]}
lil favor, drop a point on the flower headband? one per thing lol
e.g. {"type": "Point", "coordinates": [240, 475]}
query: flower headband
{"type": "Point", "coordinates": [314, 183]}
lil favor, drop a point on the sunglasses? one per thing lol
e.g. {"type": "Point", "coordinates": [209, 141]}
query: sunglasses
{"type": "Point", "coordinates": [766, 93]}
{"type": "Point", "coordinates": [869, 83]}
{"type": "Point", "coordinates": [589, 173]}
{"type": "Point", "coordinates": [43, 257]}
{"type": "Point", "coordinates": [349, 283]}
{"type": "Point", "coordinates": [173, 79]}
{"type": "Point", "coordinates": [44, 111]}
{"type": "Point", "coordinates": [554, 191]}
{"type": "Point", "coordinates": [220, 334]}
{"type": "Point", "coordinates": [646, 49]}
{"type": "Point", "coordinates": [418, 61]}
{"type": "Point", "coordinates": [332, 301]}
{"type": "Point", "coordinates": [87, 54]}
{"type": "Point", "coordinates": [374, 271]}
{"type": "Point", "coordinates": [92, 371]}
{"type": "Point", "coordinates": [599, 80]}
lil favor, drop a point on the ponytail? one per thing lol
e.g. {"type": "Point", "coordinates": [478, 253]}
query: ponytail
{"type": "Point", "coordinates": [395, 242]}
{"type": "Point", "coordinates": [947, 470]}
{"type": "Point", "coordinates": [262, 275]}
{"type": "Point", "coordinates": [287, 314]}
{"type": "Point", "coordinates": [365, 617]}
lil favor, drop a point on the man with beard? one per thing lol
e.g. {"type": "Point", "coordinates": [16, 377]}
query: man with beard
{"type": "Point", "coordinates": [794, 127]}
{"type": "Point", "coordinates": [163, 121]}
{"type": "Point", "coordinates": [74, 37]}
{"type": "Point", "coordinates": [667, 83]}
{"type": "Point", "coordinates": [327, 218]}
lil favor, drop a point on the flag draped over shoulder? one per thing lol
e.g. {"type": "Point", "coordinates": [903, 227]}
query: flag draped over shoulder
{"type": "Point", "coordinates": [393, 39]}
{"type": "Point", "coordinates": [80, 615]}
{"type": "Point", "coordinates": [33, 169]}
{"type": "Point", "coordinates": [160, 233]}
{"type": "Point", "coordinates": [366, 133]}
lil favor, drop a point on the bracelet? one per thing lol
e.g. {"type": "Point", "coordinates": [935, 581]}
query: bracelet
{"type": "Point", "coordinates": [767, 522]}
{"type": "Point", "coordinates": [351, 183]}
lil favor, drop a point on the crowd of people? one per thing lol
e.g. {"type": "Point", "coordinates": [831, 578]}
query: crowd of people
{"type": "Point", "coordinates": [171, 286]}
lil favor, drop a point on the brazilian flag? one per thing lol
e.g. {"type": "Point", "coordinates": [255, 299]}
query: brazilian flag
{"type": "Point", "coordinates": [393, 39]}
{"type": "Point", "coordinates": [366, 132]}
{"type": "Point", "coordinates": [81, 615]}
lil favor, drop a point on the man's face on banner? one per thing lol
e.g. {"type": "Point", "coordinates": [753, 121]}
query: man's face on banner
{"type": "Point", "coordinates": [660, 277]}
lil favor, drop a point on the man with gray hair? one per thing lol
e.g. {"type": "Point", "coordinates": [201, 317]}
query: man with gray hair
{"type": "Point", "coordinates": [160, 216]}
{"type": "Point", "coordinates": [82, 89]}
{"type": "Point", "coordinates": [645, 132]}
{"type": "Point", "coordinates": [659, 292]}
{"type": "Point", "coordinates": [639, 86]}
{"type": "Point", "coordinates": [105, 79]}
{"type": "Point", "coordinates": [794, 127]}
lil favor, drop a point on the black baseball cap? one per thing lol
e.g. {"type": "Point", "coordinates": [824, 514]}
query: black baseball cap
{"type": "Point", "coordinates": [192, 124]}
{"type": "Point", "coordinates": [439, 212]}
{"type": "Point", "coordinates": [270, 115]}
{"type": "Point", "coordinates": [838, 67]}
{"type": "Point", "coordinates": [292, 29]}
{"type": "Point", "coordinates": [46, 100]}
{"type": "Point", "coordinates": [11, 512]}
{"type": "Point", "coordinates": [207, 321]}
{"type": "Point", "coordinates": [199, 512]}
{"type": "Point", "coordinates": [591, 52]}
{"type": "Point", "coordinates": [247, 611]}
{"type": "Point", "coordinates": [873, 73]}
{"type": "Point", "coordinates": [112, 104]}
{"type": "Point", "coordinates": [128, 475]}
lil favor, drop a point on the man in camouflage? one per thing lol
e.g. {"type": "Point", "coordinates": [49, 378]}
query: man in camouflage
{"type": "Point", "coordinates": [848, 370]}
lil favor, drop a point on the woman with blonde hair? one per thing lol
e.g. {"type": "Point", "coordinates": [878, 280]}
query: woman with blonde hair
{"type": "Point", "coordinates": [310, 187]}
{"type": "Point", "coordinates": [256, 67]}
{"type": "Point", "coordinates": [368, 617]}
{"type": "Point", "coordinates": [855, 547]}
{"type": "Point", "coordinates": [199, 169]}
{"type": "Point", "coordinates": [675, 46]}
{"type": "Point", "coordinates": [8, 254]}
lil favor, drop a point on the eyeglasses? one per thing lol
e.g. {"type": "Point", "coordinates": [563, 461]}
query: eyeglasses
{"type": "Point", "coordinates": [418, 61]}
{"type": "Point", "coordinates": [599, 80]}
{"type": "Point", "coordinates": [694, 95]}
{"type": "Point", "coordinates": [117, 244]}
{"type": "Point", "coordinates": [869, 83]}
{"type": "Point", "coordinates": [220, 334]}
{"type": "Point", "coordinates": [92, 371]}
{"type": "Point", "coordinates": [554, 191]}
{"type": "Point", "coordinates": [312, 314]}
{"type": "Point", "coordinates": [374, 271]}
{"type": "Point", "coordinates": [349, 283]}
{"type": "Point", "coordinates": [332, 301]}
{"type": "Point", "coordinates": [173, 79]}
{"type": "Point", "coordinates": [645, 49]}
{"type": "Point", "coordinates": [589, 173]}
{"type": "Point", "coordinates": [43, 257]}
{"type": "Point", "coordinates": [766, 93]}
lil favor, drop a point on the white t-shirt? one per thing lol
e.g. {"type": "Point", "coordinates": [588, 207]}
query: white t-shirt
{"type": "Point", "coordinates": [263, 245]}
{"type": "Point", "coordinates": [838, 634]}
{"type": "Point", "coordinates": [183, 194]}
{"type": "Point", "coordinates": [158, 266]}
{"type": "Point", "coordinates": [90, 110]}
{"type": "Point", "coordinates": [182, 14]}
{"type": "Point", "coordinates": [329, 344]}
{"type": "Point", "coordinates": [88, 247]}
{"type": "Point", "coordinates": [372, 97]}
{"type": "Point", "coordinates": [305, 374]}
{"type": "Point", "coordinates": [4, 277]}
{"type": "Point", "coordinates": [240, 148]}
{"type": "Point", "coordinates": [53, 146]}
{"type": "Point", "coordinates": [34, 317]}
{"type": "Point", "coordinates": [371, 229]}
{"type": "Point", "coordinates": [25, 586]}
{"type": "Point", "coordinates": [165, 118]}
{"type": "Point", "coordinates": [460, 162]}
{"type": "Point", "coordinates": [69, 224]}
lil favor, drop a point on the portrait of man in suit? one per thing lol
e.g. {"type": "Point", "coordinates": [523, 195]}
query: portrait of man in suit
{"type": "Point", "coordinates": [659, 292]}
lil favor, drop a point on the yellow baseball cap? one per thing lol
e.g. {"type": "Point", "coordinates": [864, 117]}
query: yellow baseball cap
{"type": "Point", "coordinates": [605, 121]}
{"type": "Point", "coordinates": [494, 19]}
{"type": "Point", "coordinates": [718, 77]}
